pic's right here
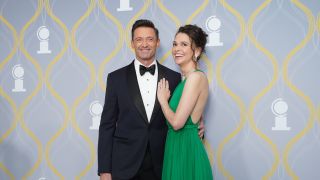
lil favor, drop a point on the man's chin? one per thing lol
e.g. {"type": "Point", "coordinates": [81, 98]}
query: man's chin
{"type": "Point", "coordinates": [146, 58]}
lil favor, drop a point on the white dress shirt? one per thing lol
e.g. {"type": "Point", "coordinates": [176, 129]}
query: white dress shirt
{"type": "Point", "coordinates": [148, 87]}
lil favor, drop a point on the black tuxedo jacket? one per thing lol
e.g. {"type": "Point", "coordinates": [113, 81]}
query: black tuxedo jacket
{"type": "Point", "coordinates": [124, 131]}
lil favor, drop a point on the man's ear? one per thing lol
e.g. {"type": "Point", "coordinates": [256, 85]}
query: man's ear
{"type": "Point", "coordinates": [158, 42]}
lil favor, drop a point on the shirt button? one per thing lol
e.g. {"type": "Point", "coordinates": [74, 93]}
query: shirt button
{"type": "Point", "coordinates": [147, 104]}
{"type": "Point", "coordinates": [148, 92]}
{"type": "Point", "coordinates": [147, 79]}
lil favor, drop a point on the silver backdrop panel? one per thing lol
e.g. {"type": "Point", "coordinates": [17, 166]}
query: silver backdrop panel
{"type": "Point", "coordinates": [262, 59]}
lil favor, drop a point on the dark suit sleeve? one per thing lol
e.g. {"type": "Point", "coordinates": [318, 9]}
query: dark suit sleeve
{"type": "Point", "coordinates": [107, 128]}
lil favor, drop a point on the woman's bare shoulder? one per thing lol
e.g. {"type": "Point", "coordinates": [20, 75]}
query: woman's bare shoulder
{"type": "Point", "coordinates": [197, 77]}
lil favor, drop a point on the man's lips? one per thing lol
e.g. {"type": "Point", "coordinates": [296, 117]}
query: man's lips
{"type": "Point", "coordinates": [144, 49]}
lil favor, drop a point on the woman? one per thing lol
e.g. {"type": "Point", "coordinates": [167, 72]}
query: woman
{"type": "Point", "coordinates": [185, 156]}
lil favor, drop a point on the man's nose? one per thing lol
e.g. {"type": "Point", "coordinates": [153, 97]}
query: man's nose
{"type": "Point", "coordinates": [145, 42]}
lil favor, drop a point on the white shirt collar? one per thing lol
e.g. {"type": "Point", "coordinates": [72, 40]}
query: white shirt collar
{"type": "Point", "coordinates": [138, 63]}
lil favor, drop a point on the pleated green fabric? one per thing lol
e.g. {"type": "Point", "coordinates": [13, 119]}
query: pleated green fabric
{"type": "Point", "coordinates": [185, 157]}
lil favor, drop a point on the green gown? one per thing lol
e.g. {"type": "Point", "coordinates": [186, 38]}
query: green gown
{"type": "Point", "coordinates": [185, 157]}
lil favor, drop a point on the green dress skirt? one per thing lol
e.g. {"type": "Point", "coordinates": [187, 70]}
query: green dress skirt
{"type": "Point", "coordinates": [185, 157]}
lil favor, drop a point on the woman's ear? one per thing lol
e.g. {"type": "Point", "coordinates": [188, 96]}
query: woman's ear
{"type": "Point", "coordinates": [197, 52]}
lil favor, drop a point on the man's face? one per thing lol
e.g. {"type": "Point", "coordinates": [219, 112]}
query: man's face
{"type": "Point", "coordinates": [145, 44]}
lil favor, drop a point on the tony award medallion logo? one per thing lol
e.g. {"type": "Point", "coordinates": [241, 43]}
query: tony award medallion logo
{"type": "Point", "coordinates": [124, 6]}
{"type": "Point", "coordinates": [213, 25]}
{"type": "Point", "coordinates": [95, 111]}
{"type": "Point", "coordinates": [279, 108]}
{"type": "Point", "coordinates": [18, 73]}
{"type": "Point", "coordinates": [43, 36]}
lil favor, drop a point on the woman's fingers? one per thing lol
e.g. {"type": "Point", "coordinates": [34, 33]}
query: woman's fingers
{"type": "Point", "coordinates": [160, 83]}
{"type": "Point", "coordinates": [163, 84]}
{"type": "Point", "coordinates": [167, 84]}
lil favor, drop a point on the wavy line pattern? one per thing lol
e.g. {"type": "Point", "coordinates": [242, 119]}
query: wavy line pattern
{"type": "Point", "coordinates": [15, 42]}
{"type": "Point", "coordinates": [33, 93]}
{"type": "Point", "coordinates": [318, 28]}
{"type": "Point", "coordinates": [119, 45]}
{"type": "Point", "coordinates": [304, 97]}
{"type": "Point", "coordinates": [6, 96]}
{"type": "Point", "coordinates": [318, 23]}
{"type": "Point", "coordinates": [178, 23]}
{"type": "Point", "coordinates": [2, 92]}
{"type": "Point", "coordinates": [48, 72]}
{"type": "Point", "coordinates": [272, 83]}
{"type": "Point", "coordinates": [86, 92]}
{"type": "Point", "coordinates": [319, 115]}
{"type": "Point", "coordinates": [197, 11]}
{"type": "Point", "coordinates": [96, 79]}
{"type": "Point", "coordinates": [221, 84]}
{"type": "Point", "coordinates": [6, 170]}
{"type": "Point", "coordinates": [175, 19]}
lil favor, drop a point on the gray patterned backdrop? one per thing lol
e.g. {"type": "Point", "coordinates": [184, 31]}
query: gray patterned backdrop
{"type": "Point", "coordinates": [262, 61]}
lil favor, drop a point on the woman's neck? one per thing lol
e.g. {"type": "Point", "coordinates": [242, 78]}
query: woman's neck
{"type": "Point", "coordinates": [187, 69]}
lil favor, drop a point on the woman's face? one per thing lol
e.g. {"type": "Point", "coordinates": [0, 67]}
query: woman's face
{"type": "Point", "coordinates": [181, 49]}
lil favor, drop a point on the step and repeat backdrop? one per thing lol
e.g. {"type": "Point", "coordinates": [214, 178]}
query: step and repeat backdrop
{"type": "Point", "coordinates": [262, 62]}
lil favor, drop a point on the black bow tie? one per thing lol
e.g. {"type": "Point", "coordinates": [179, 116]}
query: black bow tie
{"type": "Point", "coordinates": [150, 69]}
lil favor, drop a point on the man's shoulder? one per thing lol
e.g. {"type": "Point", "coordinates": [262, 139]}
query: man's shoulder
{"type": "Point", "coordinates": [168, 70]}
{"type": "Point", "coordinates": [120, 70]}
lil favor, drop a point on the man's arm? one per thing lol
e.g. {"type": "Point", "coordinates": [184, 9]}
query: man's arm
{"type": "Point", "coordinates": [107, 128]}
{"type": "Point", "coordinates": [201, 128]}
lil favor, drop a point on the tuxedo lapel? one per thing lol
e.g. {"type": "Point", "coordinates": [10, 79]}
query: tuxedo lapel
{"type": "Point", "coordinates": [134, 91]}
{"type": "Point", "coordinates": [156, 107]}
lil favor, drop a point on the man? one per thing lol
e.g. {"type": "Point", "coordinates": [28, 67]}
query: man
{"type": "Point", "coordinates": [133, 128]}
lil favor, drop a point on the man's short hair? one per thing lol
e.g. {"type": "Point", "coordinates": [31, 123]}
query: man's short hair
{"type": "Point", "coordinates": [144, 23]}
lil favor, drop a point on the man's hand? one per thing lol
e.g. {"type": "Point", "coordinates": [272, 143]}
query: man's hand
{"type": "Point", "coordinates": [105, 176]}
{"type": "Point", "coordinates": [201, 128]}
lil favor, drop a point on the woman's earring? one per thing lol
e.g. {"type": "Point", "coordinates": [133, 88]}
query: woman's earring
{"type": "Point", "coordinates": [195, 58]}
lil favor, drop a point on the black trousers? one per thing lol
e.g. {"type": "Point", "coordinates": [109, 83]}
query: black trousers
{"type": "Point", "coordinates": [146, 171]}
